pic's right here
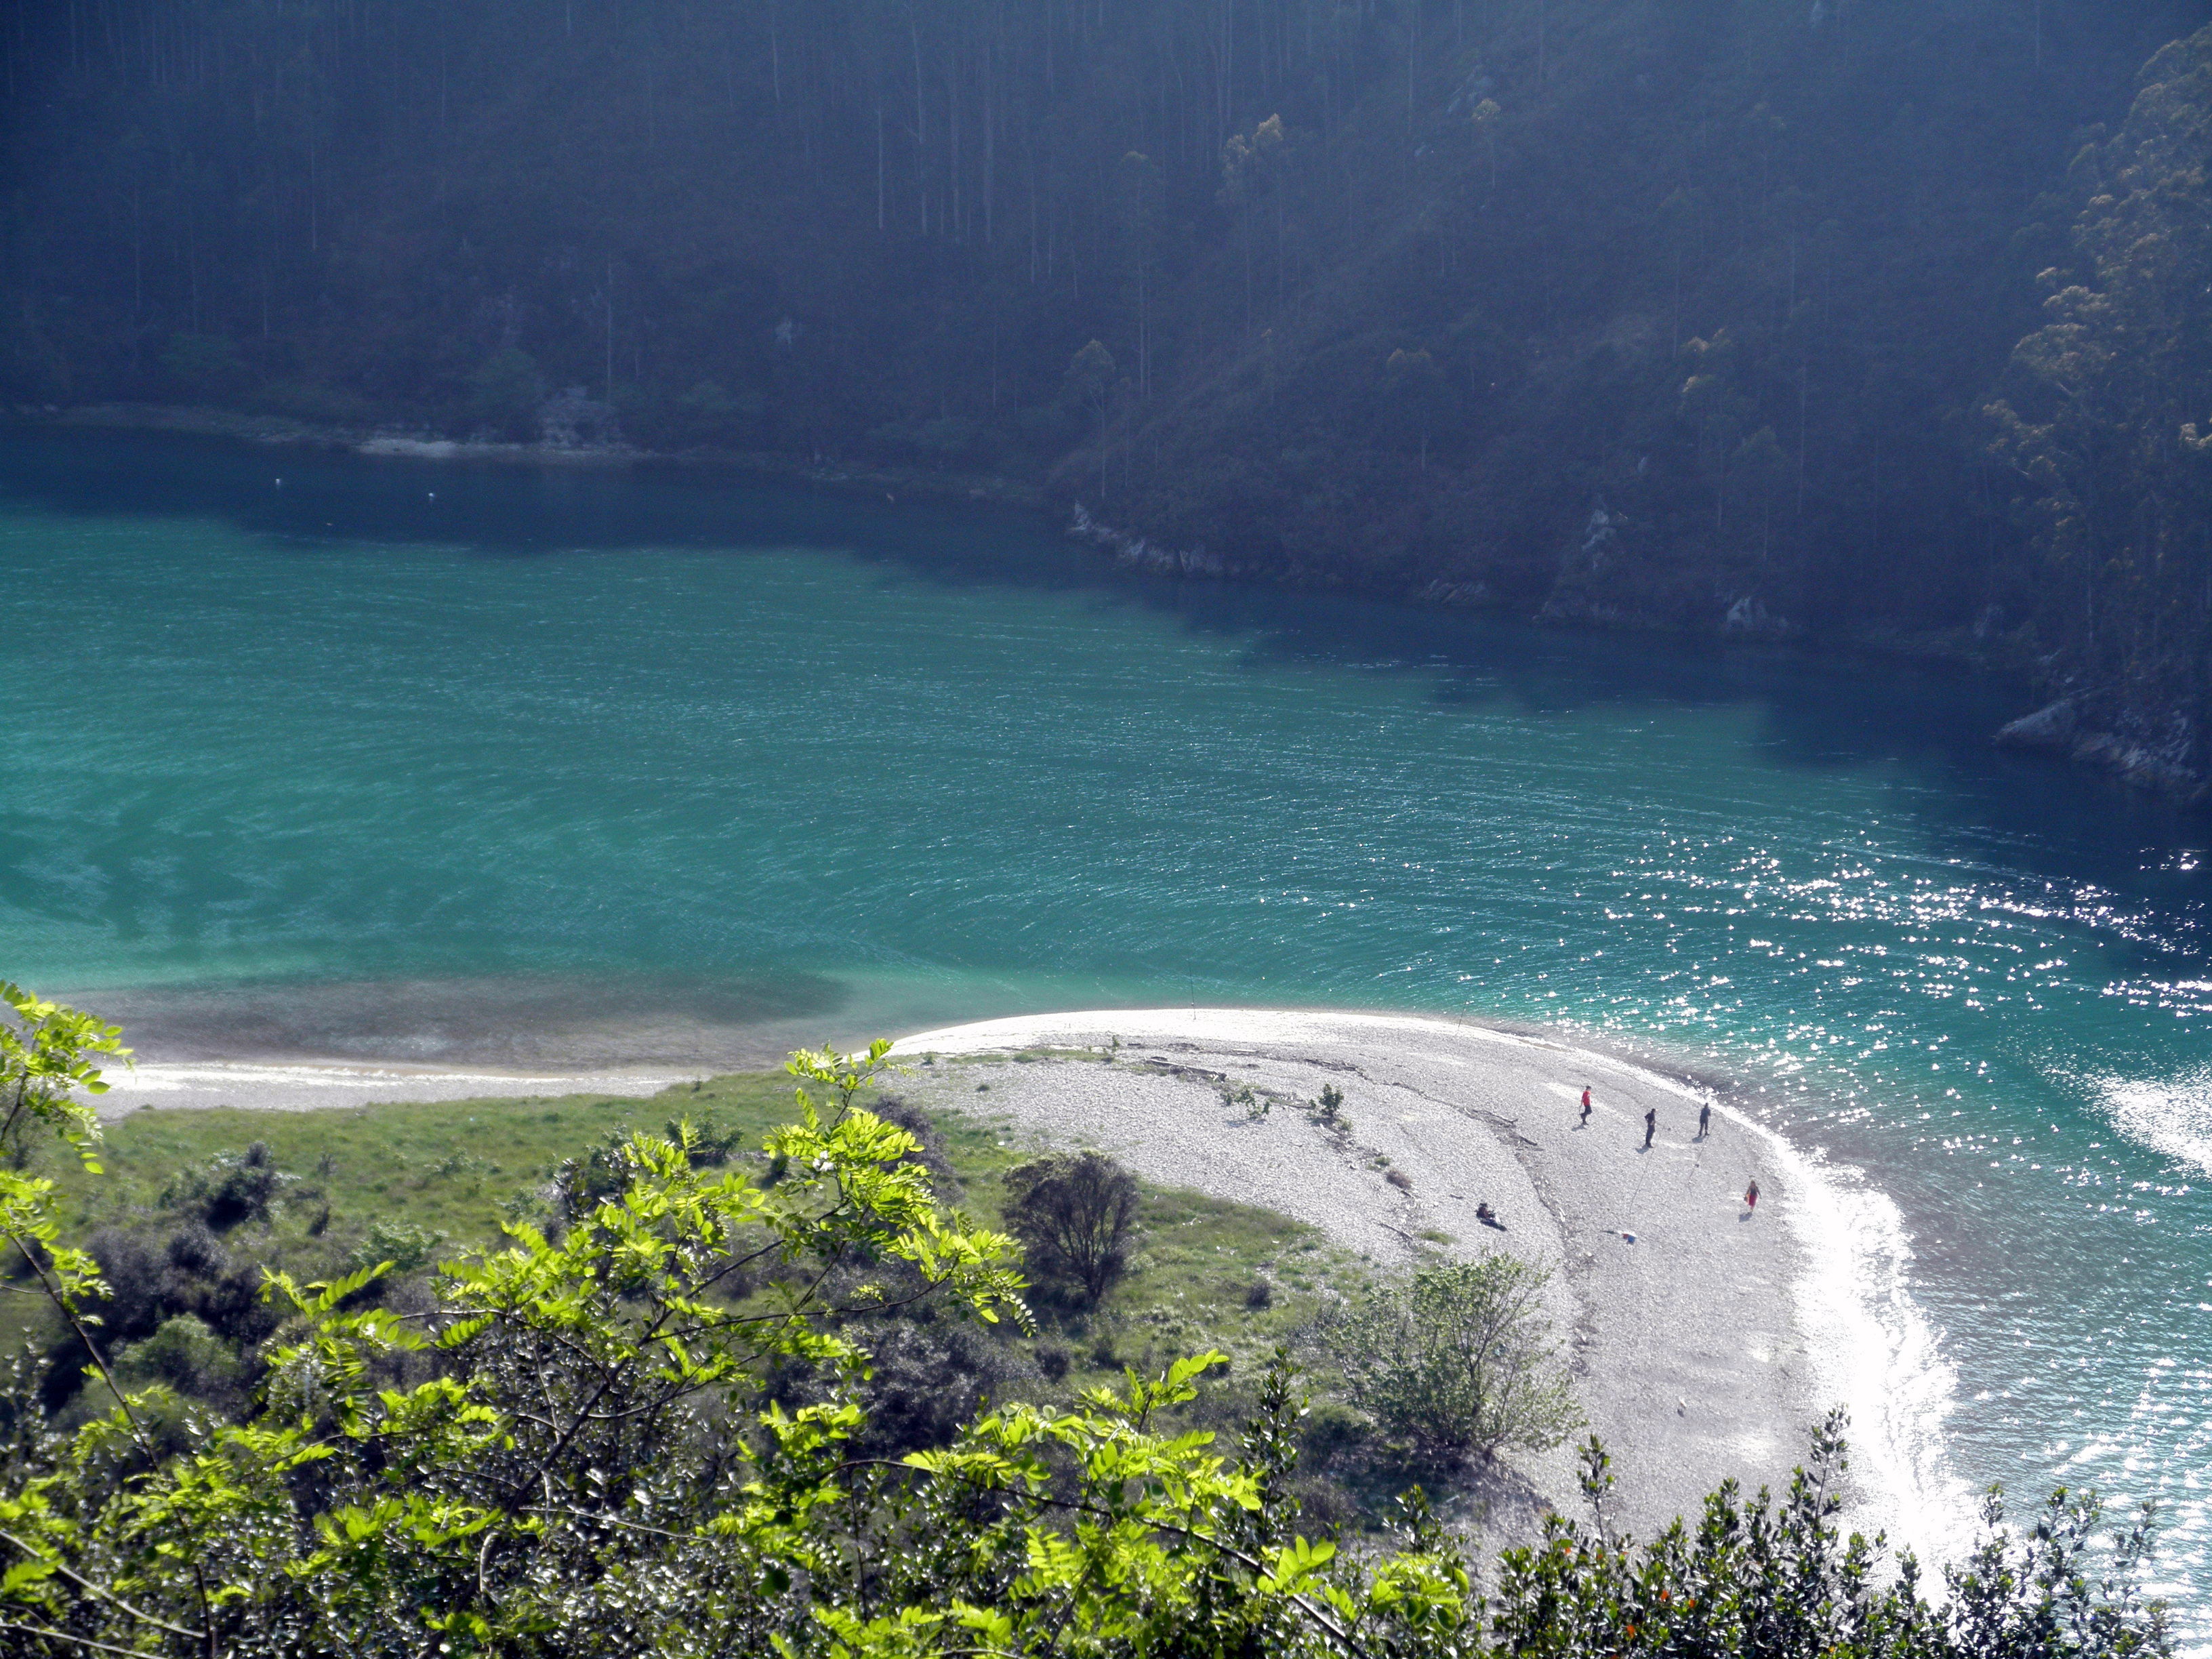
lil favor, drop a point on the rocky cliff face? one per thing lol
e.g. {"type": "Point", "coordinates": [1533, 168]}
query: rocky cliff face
{"type": "Point", "coordinates": [2163, 755]}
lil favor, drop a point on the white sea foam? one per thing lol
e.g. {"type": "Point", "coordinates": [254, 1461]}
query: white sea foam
{"type": "Point", "coordinates": [2172, 1115]}
{"type": "Point", "coordinates": [1876, 1350]}
{"type": "Point", "coordinates": [1882, 1356]}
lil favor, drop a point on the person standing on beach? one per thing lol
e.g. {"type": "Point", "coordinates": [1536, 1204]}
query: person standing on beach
{"type": "Point", "coordinates": [1705, 1119]}
{"type": "Point", "coordinates": [1651, 1127]}
{"type": "Point", "coordinates": [1584, 1123]}
{"type": "Point", "coordinates": [1750, 1196]}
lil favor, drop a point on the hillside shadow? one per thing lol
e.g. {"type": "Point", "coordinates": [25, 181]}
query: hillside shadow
{"type": "Point", "coordinates": [1930, 724]}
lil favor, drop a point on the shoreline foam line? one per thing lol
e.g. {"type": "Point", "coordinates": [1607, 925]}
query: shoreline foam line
{"type": "Point", "coordinates": [1869, 1343]}
{"type": "Point", "coordinates": [1883, 1358]}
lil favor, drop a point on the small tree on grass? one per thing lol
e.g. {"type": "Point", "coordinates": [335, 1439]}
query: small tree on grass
{"type": "Point", "coordinates": [1457, 1358]}
{"type": "Point", "coordinates": [1074, 1215]}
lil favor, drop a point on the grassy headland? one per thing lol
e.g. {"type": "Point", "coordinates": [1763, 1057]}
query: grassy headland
{"type": "Point", "coordinates": [444, 1177]}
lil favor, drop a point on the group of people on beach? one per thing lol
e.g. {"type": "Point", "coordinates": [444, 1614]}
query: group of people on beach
{"type": "Point", "coordinates": [1652, 1129]}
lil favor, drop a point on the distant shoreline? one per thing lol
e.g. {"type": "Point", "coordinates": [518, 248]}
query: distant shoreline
{"type": "Point", "coordinates": [836, 477]}
{"type": "Point", "coordinates": [1947, 649]}
{"type": "Point", "coordinates": [2090, 749]}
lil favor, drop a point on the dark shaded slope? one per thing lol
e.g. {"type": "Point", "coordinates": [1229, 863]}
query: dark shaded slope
{"type": "Point", "coordinates": [1678, 314]}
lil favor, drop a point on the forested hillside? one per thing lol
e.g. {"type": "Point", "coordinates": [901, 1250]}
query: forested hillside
{"type": "Point", "coordinates": [1872, 319]}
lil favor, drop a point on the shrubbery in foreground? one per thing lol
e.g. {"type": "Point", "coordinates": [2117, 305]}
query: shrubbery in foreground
{"type": "Point", "coordinates": [573, 1454]}
{"type": "Point", "coordinates": [1458, 1358]}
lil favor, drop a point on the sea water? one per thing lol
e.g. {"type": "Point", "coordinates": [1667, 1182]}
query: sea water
{"type": "Point", "coordinates": [321, 756]}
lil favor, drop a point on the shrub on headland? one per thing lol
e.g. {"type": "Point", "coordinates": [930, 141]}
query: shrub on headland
{"type": "Point", "coordinates": [1074, 1214]}
{"type": "Point", "coordinates": [573, 1450]}
{"type": "Point", "coordinates": [1457, 1358]}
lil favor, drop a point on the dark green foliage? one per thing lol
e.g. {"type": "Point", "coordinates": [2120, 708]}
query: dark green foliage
{"type": "Point", "coordinates": [1074, 1214]}
{"type": "Point", "coordinates": [709, 1142]}
{"type": "Point", "coordinates": [1329, 1108]}
{"type": "Point", "coordinates": [402, 1245]}
{"type": "Point", "coordinates": [581, 1183]}
{"type": "Point", "coordinates": [2107, 429]}
{"type": "Point", "coordinates": [230, 1188]}
{"type": "Point", "coordinates": [930, 1151]}
{"type": "Point", "coordinates": [183, 1355]}
{"type": "Point", "coordinates": [1778, 1578]}
{"type": "Point", "coordinates": [205, 366]}
{"type": "Point", "coordinates": [929, 1378]}
{"type": "Point", "coordinates": [504, 394]}
{"type": "Point", "coordinates": [1666, 315]}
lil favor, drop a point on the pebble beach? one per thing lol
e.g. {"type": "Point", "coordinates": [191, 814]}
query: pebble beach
{"type": "Point", "coordinates": [1693, 1325]}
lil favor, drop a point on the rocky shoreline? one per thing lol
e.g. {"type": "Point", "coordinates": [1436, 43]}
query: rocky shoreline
{"type": "Point", "coordinates": [895, 484]}
{"type": "Point", "coordinates": [2166, 762]}
{"type": "Point", "coordinates": [2165, 758]}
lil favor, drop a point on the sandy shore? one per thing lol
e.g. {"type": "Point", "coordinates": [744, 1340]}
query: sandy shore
{"type": "Point", "coordinates": [1706, 1340]}
{"type": "Point", "coordinates": [1698, 1331]}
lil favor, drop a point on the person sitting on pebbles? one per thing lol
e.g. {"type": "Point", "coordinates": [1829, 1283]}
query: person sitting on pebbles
{"type": "Point", "coordinates": [1487, 1216]}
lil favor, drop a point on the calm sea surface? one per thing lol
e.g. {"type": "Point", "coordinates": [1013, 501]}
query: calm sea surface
{"type": "Point", "coordinates": [447, 763]}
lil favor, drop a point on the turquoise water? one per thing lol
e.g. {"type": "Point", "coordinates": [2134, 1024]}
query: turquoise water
{"type": "Point", "coordinates": [401, 759]}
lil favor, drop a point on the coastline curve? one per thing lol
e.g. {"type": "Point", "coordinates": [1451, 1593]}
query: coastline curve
{"type": "Point", "coordinates": [1705, 1345]}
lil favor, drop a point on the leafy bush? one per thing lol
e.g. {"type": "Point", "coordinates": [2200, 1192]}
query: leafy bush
{"type": "Point", "coordinates": [1778, 1578]}
{"type": "Point", "coordinates": [231, 1188]}
{"type": "Point", "coordinates": [404, 1245]}
{"type": "Point", "coordinates": [1457, 1359]}
{"type": "Point", "coordinates": [1074, 1214]}
{"type": "Point", "coordinates": [928, 1380]}
{"type": "Point", "coordinates": [580, 1185]}
{"type": "Point", "coordinates": [183, 1355]}
{"type": "Point", "coordinates": [578, 1463]}
{"type": "Point", "coordinates": [709, 1141]}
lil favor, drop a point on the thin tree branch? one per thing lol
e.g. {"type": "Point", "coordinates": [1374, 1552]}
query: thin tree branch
{"type": "Point", "coordinates": [63, 1636]}
{"type": "Point", "coordinates": [84, 1583]}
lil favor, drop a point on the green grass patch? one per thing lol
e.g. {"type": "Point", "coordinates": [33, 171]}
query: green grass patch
{"type": "Point", "coordinates": [446, 1165]}
{"type": "Point", "coordinates": [1207, 1273]}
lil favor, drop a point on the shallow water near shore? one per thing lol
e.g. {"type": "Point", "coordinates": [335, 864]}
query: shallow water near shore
{"type": "Point", "coordinates": [497, 768]}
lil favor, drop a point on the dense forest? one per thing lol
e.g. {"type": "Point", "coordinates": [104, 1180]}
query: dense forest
{"type": "Point", "coordinates": [1873, 321]}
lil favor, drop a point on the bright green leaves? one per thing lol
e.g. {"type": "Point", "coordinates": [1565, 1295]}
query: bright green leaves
{"type": "Point", "coordinates": [1296, 1564]}
{"type": "Point", "coordinates": [48, 1056]}
{"type": "Point", "coordinates": [642, 1432]}
{"type": "Point", "coordinates": [1130, 1540]}
{"type": "Point", "coordinates": [843, 1075]}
